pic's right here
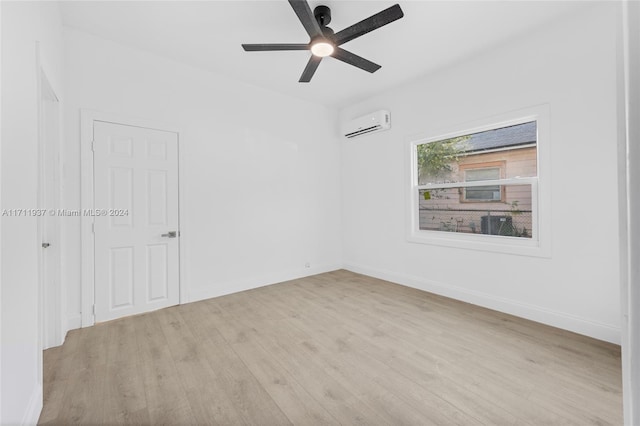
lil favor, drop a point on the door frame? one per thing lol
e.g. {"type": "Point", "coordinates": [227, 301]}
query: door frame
{"type": "Point", "coordinates": [628, 65]}
{"type": "Point", "coordinates": [87, 266]}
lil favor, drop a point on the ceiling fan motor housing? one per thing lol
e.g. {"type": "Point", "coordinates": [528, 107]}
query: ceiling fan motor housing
{"type": "Point", "coordinates": [322, 15]}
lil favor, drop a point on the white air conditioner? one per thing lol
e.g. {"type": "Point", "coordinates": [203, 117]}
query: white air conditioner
{"type": "Point", "coordinates": [370, 123]}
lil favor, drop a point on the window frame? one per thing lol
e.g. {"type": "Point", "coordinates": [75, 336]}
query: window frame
{"type": "Point", "coordinates": [539, 244]}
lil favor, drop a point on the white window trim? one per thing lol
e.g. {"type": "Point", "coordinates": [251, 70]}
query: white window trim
{"type": "Point", "coordinates": [540, 243]}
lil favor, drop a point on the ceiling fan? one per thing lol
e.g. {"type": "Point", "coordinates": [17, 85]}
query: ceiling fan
{"type": "Point", "coordinates": [324, 42]}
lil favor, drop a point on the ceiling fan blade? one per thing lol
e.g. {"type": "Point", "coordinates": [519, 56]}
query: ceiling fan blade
{"type": "Point", "coordinates": [355, 60]}
{"type": "Point", "coordinates": [271, 47]}
{"type": "Point", "coordinates": [310, 69]}
{"type": "Point", "coordinates": [305, 15]}
{"type": "Point", "coordinates": [373, 22]}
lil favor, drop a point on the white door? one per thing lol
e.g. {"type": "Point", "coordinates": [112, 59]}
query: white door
{"type": "Point", "coordinates": [136, 222]}
{"type": "Point", "coordinates": [48, 222]}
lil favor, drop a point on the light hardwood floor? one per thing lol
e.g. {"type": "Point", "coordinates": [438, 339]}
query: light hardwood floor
{"type": "Point", "coordinates": [335, 348]}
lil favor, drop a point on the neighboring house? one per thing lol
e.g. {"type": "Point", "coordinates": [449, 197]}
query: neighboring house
{"type": "Point", "coordinates": [494, 209]}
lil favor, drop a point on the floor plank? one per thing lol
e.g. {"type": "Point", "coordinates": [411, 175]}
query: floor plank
{"type": "Point", "coordinates": [335, 348]}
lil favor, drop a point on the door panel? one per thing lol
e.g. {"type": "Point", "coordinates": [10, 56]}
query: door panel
{"type": "Point", "coordinates": [136, 267]}
{"type": "Point", "coordinates": [121, 195]}
{"type": "Point", "coordinates": [157, 198]}
{"type": "Point", "coordinates": [157, 265]}
{"type": "Point", "coordinates": [121, 277]}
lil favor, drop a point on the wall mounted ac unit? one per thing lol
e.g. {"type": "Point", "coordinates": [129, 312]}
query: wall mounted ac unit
{"type": "Point", "coordinates": [370, 123]}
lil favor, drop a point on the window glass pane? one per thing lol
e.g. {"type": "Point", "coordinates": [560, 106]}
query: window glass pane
{"type": "Point", "coordinates": [438, 161]}
{"type": "Point", "coordinates": [448, 160]}
{"type": "Point", "coordinates": [442, 210]}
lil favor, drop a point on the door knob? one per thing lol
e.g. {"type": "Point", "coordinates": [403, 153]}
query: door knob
{"type": "Point", "coordinates": [170, 234]}
{"type": "Point", "coordinates": [45, 245]}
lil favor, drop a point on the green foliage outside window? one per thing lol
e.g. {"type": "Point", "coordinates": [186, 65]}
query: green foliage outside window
{"type": "Point", "coordinates": [436, 159]}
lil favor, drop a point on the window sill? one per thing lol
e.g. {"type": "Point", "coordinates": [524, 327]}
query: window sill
{"type": "Point", "coordinates": [487, 243]}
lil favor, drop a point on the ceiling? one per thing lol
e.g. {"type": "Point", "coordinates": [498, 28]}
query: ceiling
{"type": "Point", "coordinates": [208, 34]}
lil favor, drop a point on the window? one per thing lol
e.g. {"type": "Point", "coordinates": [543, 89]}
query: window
{"type": "Point", "coordinates": [478, 187]}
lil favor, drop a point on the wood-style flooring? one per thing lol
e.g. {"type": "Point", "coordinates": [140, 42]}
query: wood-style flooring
{"type": "Point", "coordinates": [335, 348]}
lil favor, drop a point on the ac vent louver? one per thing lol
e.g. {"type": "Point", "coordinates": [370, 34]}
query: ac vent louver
{"type": "Point", "coordinates": [363, 131]}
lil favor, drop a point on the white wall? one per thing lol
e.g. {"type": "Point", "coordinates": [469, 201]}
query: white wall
{"type": "Point", "coordinates": [569, 65]}
{"type": "Point", "coordinates": [23, 24]}
{"type": "Point", "coordinates": [262, 170]}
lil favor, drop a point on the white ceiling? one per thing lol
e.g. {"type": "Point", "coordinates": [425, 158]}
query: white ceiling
{"type": "Point", "coordinates": [208, 34]}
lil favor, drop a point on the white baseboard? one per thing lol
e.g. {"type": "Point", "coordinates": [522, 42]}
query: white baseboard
{"type": "Point", "coordinates": [561, 320]}
{"type": "Point", "coordinates": [74, 321]}
{"type": "Point", "coordinates": [32, 414]}
{"type": "Point", "coordinates": [255, 282]}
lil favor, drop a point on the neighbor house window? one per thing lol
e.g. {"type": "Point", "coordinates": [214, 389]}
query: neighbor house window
{"type": "Point", "coordinates": [481, 172]}
{"type": "Point", "coordinates": [482, 184]}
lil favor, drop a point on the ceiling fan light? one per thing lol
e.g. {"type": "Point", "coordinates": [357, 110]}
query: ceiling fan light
{"type": "Point", "coordinates": [322, 48]}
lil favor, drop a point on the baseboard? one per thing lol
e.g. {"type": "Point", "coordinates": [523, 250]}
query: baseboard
{"type": "Point", "coordinates": [561, 320]}
{"type": "Point", "coordinates": [256, 282]}
{"type": "Point", "coordinates": [74, 321]}
{"type": "Point", "coordinates": [32, 414]}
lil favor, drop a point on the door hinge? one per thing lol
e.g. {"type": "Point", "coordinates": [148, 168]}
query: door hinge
{"type": "Point", "coordinates": [93, 309]}
{"type": "Point", "coordinates": [93, 146]}
{"type": "Point", "coordinates": [93, 227]}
